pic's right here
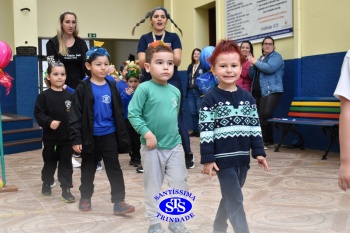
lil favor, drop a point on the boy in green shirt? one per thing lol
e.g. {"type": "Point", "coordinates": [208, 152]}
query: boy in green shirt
{"type": "Point", "coordinates": [153, 112]}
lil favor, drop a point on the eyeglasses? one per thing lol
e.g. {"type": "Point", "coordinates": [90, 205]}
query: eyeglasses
{"type": "Point", "coordinates": [268, 44]}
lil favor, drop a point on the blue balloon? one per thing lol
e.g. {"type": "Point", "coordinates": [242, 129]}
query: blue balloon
{"type": "Point", "coordinates": [205, 54]}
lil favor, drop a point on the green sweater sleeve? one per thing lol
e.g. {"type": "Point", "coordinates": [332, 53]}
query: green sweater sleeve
{"type": "Point", "coordinates": [135, 111]}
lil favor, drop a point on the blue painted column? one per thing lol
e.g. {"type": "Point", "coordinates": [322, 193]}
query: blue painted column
{"type": "Point", "coordinates": [26, 83]}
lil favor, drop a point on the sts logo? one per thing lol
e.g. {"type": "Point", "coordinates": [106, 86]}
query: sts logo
{"type": "Point", "coordinates": [177, 207]}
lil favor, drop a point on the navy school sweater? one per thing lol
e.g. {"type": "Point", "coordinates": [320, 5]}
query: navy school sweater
{"type": "Point", "coordinates": [230, 128]}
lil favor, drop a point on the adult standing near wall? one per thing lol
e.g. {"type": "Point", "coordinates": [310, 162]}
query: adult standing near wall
{"type": "Point", "coordinates": [194, 70]}
{"type": "Point", "coordinates": [244, 80]}
{"type": "Point", "coordinates": [69, 49]}
{"type": "Point", "coordinates": [267, 86]}
{"type": "Point", "coordinates": [158, 19]}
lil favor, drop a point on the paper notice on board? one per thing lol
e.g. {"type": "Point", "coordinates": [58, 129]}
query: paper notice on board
{"type": "Point", "coordinates": [255, 19]}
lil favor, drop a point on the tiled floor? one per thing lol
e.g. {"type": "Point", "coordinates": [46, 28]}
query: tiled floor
{"type": "Point", "coordinates": [298, 195]}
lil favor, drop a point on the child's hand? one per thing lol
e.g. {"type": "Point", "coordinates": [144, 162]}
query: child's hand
{"type": "Point", "coordinates": [263, 163]}
{"type": "Point", "coordinates": [129, 90]}
{"type": "Point", "coordinates": [151, 140]}
{"type": "Point", "coordinates": [252, 60]}
{"type": "Point", "coordinates": [77, 148]}
{"type": "Point", "coordinates": [55, 124]}
{"type": "Point", "coordinates": [210, 169]}
{"type": "Point", "coordinates": [344, 176]}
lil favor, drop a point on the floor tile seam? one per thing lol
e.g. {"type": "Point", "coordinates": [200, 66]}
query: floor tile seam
{"type": "Point", "coordinates": [299, 189]}
{"type": "Point", "coordinates": [286, 207]}
{"type": "Point", "coordinates": [306, 177]}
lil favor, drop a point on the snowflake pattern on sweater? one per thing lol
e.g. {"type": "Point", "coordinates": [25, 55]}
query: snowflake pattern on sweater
{"type": "Point", "coordinates": [229, 128]}
{"type": "Point", "coordinates": [229, 122]}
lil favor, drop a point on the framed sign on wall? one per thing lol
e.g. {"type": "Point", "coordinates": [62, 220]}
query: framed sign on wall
{"type": "Point", "coordinates": [255, 19]}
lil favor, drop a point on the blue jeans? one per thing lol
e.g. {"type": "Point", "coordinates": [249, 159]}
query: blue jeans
{"type": "Point", "coordinates": [231, 205]}
{"type": "Point", "coordinates": [194, 102]}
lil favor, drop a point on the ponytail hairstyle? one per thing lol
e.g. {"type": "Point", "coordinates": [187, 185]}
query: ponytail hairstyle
{"type": "Point", "coordinates": [150, 15]}
{"type": "Point", "coordinates": [63, 49]}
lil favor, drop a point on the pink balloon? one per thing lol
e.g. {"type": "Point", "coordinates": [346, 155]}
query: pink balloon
{"type": "Point", "coordinates": [5, 54]}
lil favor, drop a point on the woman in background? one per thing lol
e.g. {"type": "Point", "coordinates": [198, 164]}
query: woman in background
{"type": "Point", "coordinates": [194, 70]}
{"type": "Point", "coordinates": [159, 17]}
{"type": "Point", "coordinates": [244, 81]}
{"type": "Point", "coordinates": [267, 74]}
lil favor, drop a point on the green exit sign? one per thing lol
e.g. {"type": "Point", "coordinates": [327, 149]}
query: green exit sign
{"type": "Point", "coordinates": [92, 35]}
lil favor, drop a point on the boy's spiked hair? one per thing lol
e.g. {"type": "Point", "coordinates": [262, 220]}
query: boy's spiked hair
{"type": "Point", "coordinates": [94, 52]}
{"type": "Point", "coordinates": [225, 46]}
{"type": "Point", "coordinates": [156, 47]}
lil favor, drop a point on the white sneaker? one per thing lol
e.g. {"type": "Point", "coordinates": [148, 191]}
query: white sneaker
{"type": "Point", "coordinates": [99, 167]}
{"type": "Point", "coordinates": [75, 163]}
{"type": "Point", "coordinates": [53, 184]}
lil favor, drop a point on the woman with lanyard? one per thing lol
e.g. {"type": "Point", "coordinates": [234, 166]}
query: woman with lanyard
{"type": "Point", "coordinates": [69, 49]}
{"type": "Point", "coordinates": [159, 18]}
{"type": "Point", "coordinates": [194, 70]}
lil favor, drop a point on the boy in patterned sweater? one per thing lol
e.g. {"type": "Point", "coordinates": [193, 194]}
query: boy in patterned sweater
{"type": "Point", "coordinates": [230, 132]}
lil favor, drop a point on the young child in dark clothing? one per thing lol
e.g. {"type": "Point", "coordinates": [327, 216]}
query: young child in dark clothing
{"type": "Point", "coordinates": [132, 76]}
{"type": "Point", "coordinates": [230, 132]}
{"type": "Point", "coordinates": [97, 130]}
{"type": "Point", "coordinates": [52, 114]}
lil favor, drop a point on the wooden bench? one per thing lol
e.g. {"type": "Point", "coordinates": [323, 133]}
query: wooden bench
{"type": "Point", "coordinates": [317, 111]}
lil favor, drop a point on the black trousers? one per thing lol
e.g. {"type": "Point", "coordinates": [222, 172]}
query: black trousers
{"type": "Point", "coordinates": [266, 106]}
{"type": "Point", "coordinates": [134, 140]}
{"type": "Point", "coordinates": [61, 155]}
{"type": "Point", "coordinates": [104, 147]}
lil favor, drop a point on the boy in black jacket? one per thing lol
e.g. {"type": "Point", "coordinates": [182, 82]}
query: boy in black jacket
{"type": "Point", "coordinates": [97, 130]}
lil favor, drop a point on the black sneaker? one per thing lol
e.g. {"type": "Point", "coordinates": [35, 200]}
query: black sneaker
{"type": "Point", "coordinates": [132, 162]}
{"type": "Point", "coordinates": [122, 208]}
{"type": "Point", "coordinates": [139, 169]}
{"type": "Point", "coordinates": [67, 196]}
{"type": "Point", "coordinates": [137, 162]}
{"type": "Point", "coordinates": [85, 204]}
{"type": "Point", "coordinates": [46, 189]}
{"type": "Point", "coordinates": [189, 160]}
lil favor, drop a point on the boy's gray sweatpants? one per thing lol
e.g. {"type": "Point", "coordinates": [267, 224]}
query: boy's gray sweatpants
{"type": "Point", "coordinates": [157, 164]}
